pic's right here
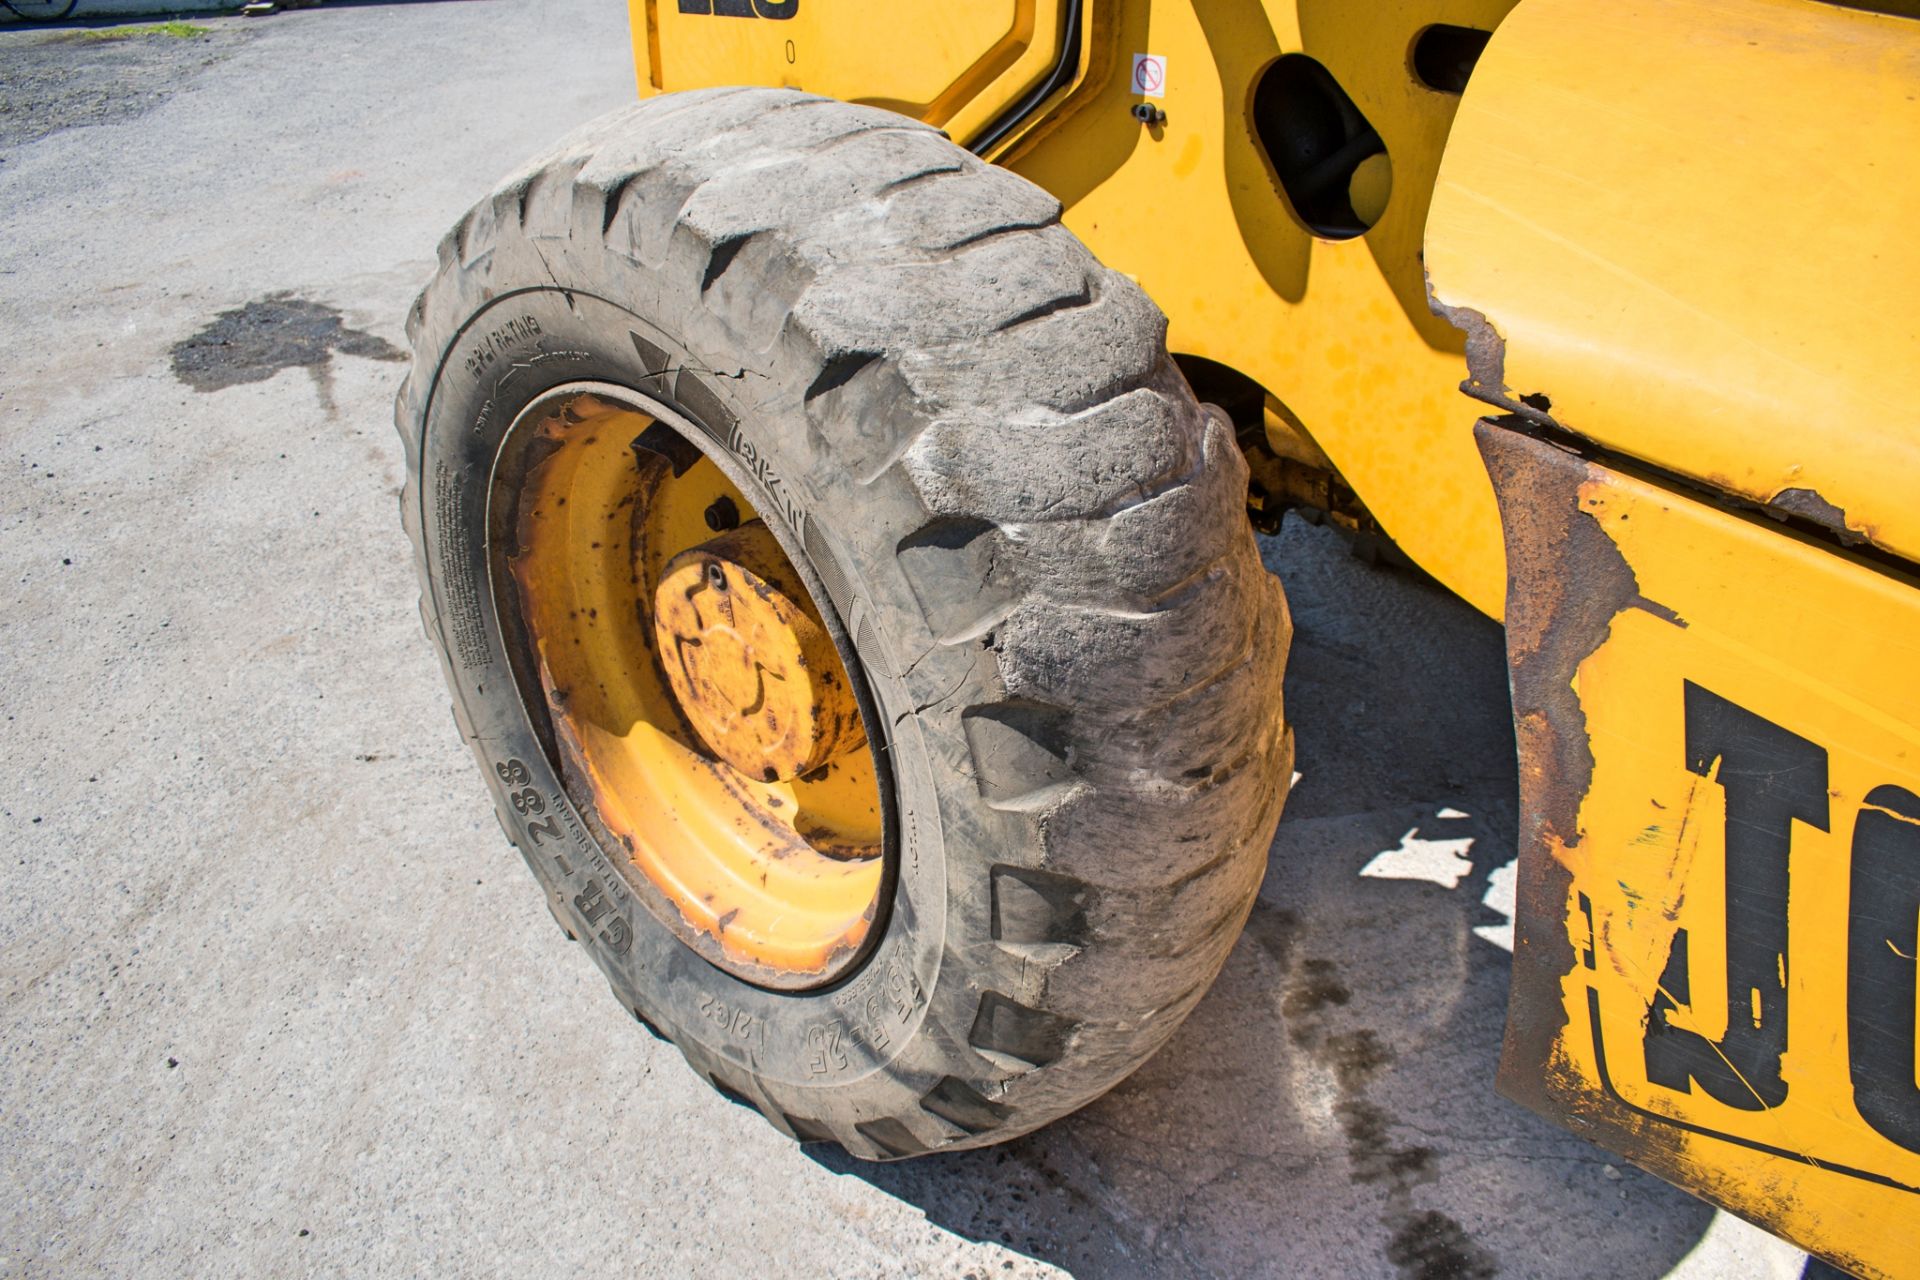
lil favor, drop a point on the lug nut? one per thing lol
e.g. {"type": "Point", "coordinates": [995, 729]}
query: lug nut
{"type": "Point", "coordinates": [716, 576]}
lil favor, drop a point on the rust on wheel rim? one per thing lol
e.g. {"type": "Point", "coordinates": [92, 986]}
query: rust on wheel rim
{"type": "Point", "coordinates": [700, 703]}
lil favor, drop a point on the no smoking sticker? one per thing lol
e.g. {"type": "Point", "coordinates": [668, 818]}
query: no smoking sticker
{"type": "Point", "coordinates": [1150, 75]}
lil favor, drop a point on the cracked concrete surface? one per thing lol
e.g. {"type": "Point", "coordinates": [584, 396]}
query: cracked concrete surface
{"type": "Point", "coordinates": [275, 996]}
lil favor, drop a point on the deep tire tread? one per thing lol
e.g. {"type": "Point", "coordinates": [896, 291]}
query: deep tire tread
{"type": "Point", "coordinates": [1135, 645]}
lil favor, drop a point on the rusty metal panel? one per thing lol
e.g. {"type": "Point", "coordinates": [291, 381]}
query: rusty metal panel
{"type": "Point", "coordinates": [1719, 890]}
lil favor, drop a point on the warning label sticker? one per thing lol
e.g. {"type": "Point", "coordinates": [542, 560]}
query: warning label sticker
{"type": "Point", "coordinates": [1150, 75]}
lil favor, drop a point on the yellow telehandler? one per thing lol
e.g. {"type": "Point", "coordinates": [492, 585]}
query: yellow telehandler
{"type": "Point", "coordinates": [833, 482]}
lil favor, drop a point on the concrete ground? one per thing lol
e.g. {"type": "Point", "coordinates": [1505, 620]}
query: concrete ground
{"type": "Point", "coordinates": [275, 996]}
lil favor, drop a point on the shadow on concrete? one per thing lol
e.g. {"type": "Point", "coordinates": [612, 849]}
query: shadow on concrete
{"type": "Point", "coordinates": [1328, 1110]}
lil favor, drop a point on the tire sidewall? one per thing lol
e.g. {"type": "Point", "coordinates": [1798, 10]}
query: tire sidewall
{"type": "Point", "coordinates": [513, 350]}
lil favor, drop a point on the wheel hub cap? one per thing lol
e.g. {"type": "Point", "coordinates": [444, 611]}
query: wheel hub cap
{"type": "Point", "coordinates": [752, 667]}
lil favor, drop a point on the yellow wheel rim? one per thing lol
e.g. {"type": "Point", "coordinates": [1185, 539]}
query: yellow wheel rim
{"type": "Point", "coordinates": [700, 706]}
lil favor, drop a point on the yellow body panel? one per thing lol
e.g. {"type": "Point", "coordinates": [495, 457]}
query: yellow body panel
{"type": "Point", "coordinates": [1700, 248]}
{"type": "Point", "coordinates": [1340, 331]}
{"type": "Point", "coordinates": [1720, 906]}
{"type": "Point", "coordinates": [954, 65]}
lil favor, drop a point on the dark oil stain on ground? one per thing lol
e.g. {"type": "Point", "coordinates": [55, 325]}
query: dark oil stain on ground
{"type": "Point", "coordinates": [1423, 1245]}
{"type": "Point", "coordinates": [254, 342]}
{"type": "Point", "coordinates": [1432, 1246]}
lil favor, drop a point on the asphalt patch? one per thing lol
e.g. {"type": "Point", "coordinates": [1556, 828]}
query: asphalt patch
{"type": "Point", "coordinates": [57, 79]}
{"type": "Point", "coordinates": [254, 342]}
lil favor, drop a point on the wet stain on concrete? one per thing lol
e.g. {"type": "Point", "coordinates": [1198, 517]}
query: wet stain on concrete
{"type": "Point", "coordinates": [1316, 989]}
{"type": "Point", "coordinates": [1274, 928]}
{"type": "Point", "coordinates": [280, 331]}
{"type": "Point", "coordinates": [1432, 1246]}
{"type": "Point", "coordinates": [1423, 1244]}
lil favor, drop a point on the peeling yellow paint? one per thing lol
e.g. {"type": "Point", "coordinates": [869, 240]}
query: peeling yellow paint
{"type": "Point", "coordinates": [1829, 649]}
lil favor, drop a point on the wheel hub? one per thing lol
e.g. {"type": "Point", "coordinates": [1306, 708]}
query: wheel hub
{"type": "Point", "coordinates": [751, 665]}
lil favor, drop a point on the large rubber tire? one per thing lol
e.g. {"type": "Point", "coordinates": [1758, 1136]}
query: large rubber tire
{"type": "Point", "coordinates": [1033, 531]}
